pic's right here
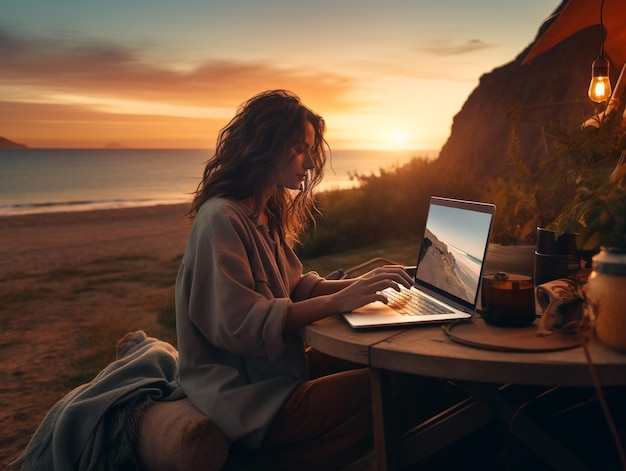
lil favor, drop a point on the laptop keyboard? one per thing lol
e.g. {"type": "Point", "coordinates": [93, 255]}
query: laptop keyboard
{"type": "Point", "coordinates": [410, 302]}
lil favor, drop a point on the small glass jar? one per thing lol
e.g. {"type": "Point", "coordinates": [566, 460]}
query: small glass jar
{"type": "Point", "coordinates": [606, 295]}
{"type": "Point", "coordinates": [508, 300]}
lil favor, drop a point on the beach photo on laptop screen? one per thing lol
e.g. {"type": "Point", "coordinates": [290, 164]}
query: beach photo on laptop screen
{"type": "Point", "coordinates": [451, 259]}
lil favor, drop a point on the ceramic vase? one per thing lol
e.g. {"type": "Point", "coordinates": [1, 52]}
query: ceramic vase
{"type": "Point", "coordinates": [606, 294]}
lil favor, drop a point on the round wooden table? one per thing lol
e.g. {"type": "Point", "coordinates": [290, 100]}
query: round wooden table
{"type": "Point", "coordinates": [486, 374]}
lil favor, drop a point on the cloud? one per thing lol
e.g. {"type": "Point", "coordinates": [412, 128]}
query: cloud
{"type": "Point", "coordinates": [61, 66]}
{"type": "Point", "coordinates": [66, 91]}
{"type": "Point", "coordinates": [66, 125]}
{"type": "Point", "coordinates": [454, 50]}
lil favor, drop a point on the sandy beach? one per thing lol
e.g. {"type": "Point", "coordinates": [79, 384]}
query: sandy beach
{"type": "Point", "coordinates": [71, 284]}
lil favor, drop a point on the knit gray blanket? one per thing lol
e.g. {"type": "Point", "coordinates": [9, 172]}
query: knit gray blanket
{"type": "Point", "coordinates": [94, 427]}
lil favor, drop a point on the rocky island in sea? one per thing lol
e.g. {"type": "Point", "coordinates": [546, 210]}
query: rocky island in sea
{"type": "Point", "coordinates": [7, 144]}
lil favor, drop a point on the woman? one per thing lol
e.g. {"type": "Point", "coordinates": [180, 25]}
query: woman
{"type": "Point", "coordinates": [241, 296]}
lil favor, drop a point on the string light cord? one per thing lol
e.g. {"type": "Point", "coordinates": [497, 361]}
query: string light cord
{"type": "Point", "coordinates": [603, 32]}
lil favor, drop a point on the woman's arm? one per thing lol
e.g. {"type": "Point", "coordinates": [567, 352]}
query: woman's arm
{"type": "Point", "coordinates": [325, 287]}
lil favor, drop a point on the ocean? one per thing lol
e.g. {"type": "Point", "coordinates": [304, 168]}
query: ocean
{"type": "Point", "coordinates": [60, 180]}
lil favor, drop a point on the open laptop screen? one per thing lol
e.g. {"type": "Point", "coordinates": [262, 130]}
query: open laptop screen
{"type": "Point", "coordinates": [454, 247]}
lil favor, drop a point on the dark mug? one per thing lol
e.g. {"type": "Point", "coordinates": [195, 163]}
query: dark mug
{"type": "Point", "coordinates": [555, 257]}
{"type": "Point", "coordinates": [549, 244]}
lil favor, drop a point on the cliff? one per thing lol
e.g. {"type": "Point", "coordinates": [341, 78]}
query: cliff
{"type": "Point", "coordinates": [551, 91]}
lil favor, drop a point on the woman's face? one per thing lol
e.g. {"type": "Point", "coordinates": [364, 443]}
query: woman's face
{"type": "Point", "coordinates": [298, 162]}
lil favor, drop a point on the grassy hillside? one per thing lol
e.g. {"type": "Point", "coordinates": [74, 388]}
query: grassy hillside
{"type": "Point", "coordinates": [386, 207]}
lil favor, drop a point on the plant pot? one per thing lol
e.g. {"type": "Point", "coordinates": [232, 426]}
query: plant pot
{"type": "Point", "coordinates": [555, 257]}
{"type": "Point", "coordinates": [549, 244]}
{"type": "Point", "coordinates": [606, 295]}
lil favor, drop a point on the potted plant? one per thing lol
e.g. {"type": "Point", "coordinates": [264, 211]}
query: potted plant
{"type": "Point", "coordinates": [540, 194]}
{"type": "Point", "coordinates": [597, 213]}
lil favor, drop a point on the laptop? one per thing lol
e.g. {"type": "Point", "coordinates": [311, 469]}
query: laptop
{"type": "Point", "coordinates": [449, 268]}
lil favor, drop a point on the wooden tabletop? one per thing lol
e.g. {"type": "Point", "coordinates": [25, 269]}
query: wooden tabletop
{"type": "Point", "coordinates": [428, 351]}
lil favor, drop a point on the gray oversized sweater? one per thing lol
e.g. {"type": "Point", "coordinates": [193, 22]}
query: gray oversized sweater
{"type": "Point", "coordinates": [233, 290]}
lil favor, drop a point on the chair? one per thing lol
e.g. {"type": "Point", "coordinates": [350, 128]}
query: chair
{"type": "Point", "coordinates": [176, 436]}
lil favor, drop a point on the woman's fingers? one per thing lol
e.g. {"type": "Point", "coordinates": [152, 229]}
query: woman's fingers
{"type": "Point", "coordinates": [368, 287]}
{"type": "Point", "coordinates": [399, 276]}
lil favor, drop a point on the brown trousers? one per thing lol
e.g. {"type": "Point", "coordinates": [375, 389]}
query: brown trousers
{"type": "Point", "coordinates": [327, 421]}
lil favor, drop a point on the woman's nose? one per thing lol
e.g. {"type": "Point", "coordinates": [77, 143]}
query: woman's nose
{"type": "Point", "coordinates": [308, 161]}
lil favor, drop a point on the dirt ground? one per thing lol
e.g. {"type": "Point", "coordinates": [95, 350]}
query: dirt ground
{"type": "Point", "coordinates": [71, 284]}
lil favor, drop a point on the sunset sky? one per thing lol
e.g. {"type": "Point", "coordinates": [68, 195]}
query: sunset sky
{"type": "Point", "coordinates": [160, 73]}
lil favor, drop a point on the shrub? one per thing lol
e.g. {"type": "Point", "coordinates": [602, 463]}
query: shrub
{"type": "Point", "coordinates": [391, 205]}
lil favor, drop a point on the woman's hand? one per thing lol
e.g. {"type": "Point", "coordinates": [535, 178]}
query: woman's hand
{"type": "Point", "coordinates": [337, 296]}
{"type": "Point", "coordinates": [367, 288]}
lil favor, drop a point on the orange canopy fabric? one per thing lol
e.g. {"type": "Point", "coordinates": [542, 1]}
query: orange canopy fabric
{"type": "Point", "coordinates": [580, 14]}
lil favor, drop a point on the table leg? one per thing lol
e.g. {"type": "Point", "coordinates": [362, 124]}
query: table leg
{"type": "Point", "coordinates": [434, 434]}
{"type": "Point", "coordinates": [381, 414]}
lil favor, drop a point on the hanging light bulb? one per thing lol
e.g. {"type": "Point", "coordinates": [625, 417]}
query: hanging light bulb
{"type": "Point", "coordinates": [600, 86]}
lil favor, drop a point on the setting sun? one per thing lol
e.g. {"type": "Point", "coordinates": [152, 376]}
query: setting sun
{"type": "Point", "coordinates": [399, 140]}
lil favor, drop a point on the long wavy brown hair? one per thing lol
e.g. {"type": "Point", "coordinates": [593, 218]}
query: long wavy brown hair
{"type": "Point", "coordinates": [252, 146]}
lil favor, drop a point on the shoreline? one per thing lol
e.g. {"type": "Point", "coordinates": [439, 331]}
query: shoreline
{"type": "Point", "coordinates": [34, 209]}
{"type": "Point", "coordinates": [82, 206]}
